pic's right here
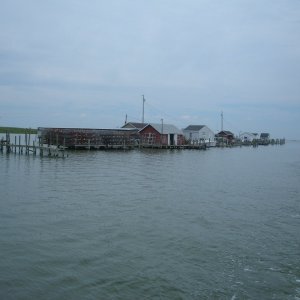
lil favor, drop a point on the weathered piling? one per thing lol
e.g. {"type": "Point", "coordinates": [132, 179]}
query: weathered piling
{"type": "Point", "coordinates": [20, 149]}
{"type": "Point", "coordinates": [40, 147]}
{"type": "Point", "coordinates": [28, 143]}
{"type": "Point", "coordinates": [29, 146]}
{"type": "Point", "coordinates": [8, 145]}
{"type": "Point", "coordinates": [34, 148]}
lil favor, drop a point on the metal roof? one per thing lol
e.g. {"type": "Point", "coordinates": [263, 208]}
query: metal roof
{"type": "Point", "coordinates": [135, 125]}
{"type": "Point", "coordinates": [264, 135]}
{"type": "Point", "coordinates": [225, 132]}
{"type": "Point", "coordinates": [166, 128]}
{"type": "Point", "coordinates": [194, 127]}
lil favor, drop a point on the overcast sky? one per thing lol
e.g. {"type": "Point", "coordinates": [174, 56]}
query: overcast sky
{"type": "Point", "coordinates": [69, 63]}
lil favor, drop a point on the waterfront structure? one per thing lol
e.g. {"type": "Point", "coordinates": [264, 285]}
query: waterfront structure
{"type": "Point", "coordinates": [156, 135]}
{"type": "Point", "coordinates": [225, 137]}
{"type": "Point", "coordinates": [197, 134]}
{"type": "Point", "coordinates": [26, 146]}
{"type": "Point", "coordinates": [134, 125]}
{"type": "Point", "coordinates": [248, 137]}
{"type": "Point", "coordinates": [264, 137]}
{"type": "Point", "coordinates": [85, 138]}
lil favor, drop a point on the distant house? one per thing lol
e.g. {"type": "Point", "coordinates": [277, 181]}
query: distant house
{"type": "Point", "coordinates": [199, 134]}
{"type": "Point", "coordinates": [225, 136]}
{"type": "Point", "coordinates": [265, 136]}
{"type": "Point", "coordinates": [161, 134]}
{"type": "Point", "coordinates": [248, 137]}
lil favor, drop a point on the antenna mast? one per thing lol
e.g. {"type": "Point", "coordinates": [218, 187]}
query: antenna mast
{"type": "Point", "coordinates": [221, 120]}
{"type": "Point", "coordinates": [143, 109]}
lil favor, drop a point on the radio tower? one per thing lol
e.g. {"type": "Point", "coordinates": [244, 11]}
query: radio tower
{"type": "Point", "coordinates": [221, 120]}
{"type": "Point", "coordinates": [143, 109]}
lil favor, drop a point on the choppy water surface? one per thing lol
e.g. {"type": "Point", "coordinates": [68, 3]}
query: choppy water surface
{"type": "Point", "coordinates": [215, 224]}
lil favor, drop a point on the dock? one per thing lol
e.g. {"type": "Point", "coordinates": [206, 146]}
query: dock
{"type": "Point", "coordinates": [54, 142]}
{"type": "Point", "coordinates": [178, 147]}
{"type": "Point", "coordinates": [17, 147]}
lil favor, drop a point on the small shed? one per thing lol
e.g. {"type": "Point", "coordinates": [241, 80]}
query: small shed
{"type": "Point", "coordinates": [199, 134]}
{"type": "Point", "coordinates": [161, 134]}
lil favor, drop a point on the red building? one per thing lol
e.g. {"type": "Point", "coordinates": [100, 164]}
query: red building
{"type": "Point", "coordinates": [161, 135]}
{"type": "Point", "coordinates": [225, 137]}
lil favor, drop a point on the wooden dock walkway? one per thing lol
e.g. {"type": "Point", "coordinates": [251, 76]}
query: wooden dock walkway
{"type": "Point", "coordinates": [179, 147]}
{"type": "Point", "coordinates": [30, 148]}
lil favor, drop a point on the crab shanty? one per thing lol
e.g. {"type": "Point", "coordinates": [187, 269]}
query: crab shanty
{"type": "Point", "coordinates": [87, 138]}
{"type": "Point", "coordinates": [147, 135]}
{"type": "Point", "coordinates": [131, 135]}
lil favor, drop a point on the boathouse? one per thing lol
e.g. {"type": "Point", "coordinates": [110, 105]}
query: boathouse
{"type": "Point", "coordinates": [248, 137]}
{"type": "Point", "coordinates": [265, 137]}
{"type": "Point", "coordinates": [85, 138]}
{"type": "Point", "coordinates": [197, 134]}
{"type": "Point", "coordinates": [225, 137]}
{"type": "Point", "coordinates": [157, 135]}
{"type": "Point", "coordinates": [134, 125]}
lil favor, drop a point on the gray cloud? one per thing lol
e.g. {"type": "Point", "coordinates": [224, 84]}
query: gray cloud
{"type": "Point", "coordinates": [192, 59]}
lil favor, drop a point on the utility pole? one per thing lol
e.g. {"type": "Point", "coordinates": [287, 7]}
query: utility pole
{"type": "Point", "coordinates": [162, 130]}
{"type": "Point", "coordinates": [221, 120]}
{"type": "Point", "coordinates": [143, 109]}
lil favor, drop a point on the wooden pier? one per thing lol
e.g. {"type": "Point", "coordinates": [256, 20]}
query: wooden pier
{"type": "Point", "coordinates": [54, 142]}
{"type": "Point", "coordinates": [89, 139]}
{"type": "Point", "coordinates": [17, 147]}
{"type": "Point", "coordinates": [178, 147]}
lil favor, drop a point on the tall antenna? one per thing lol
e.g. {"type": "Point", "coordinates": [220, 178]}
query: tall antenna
{"type": "Point", "coordinates": [143, 109]}
{"type": "Point", "coordinates": [126, 119]}
{"type": "Point", "coordinates": [162, 130]}
{"type": "Point", "coordinates": [221, 120]}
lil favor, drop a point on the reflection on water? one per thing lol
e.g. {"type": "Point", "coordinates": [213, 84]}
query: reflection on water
{"type": "Point", "coordinates": [215, 224]}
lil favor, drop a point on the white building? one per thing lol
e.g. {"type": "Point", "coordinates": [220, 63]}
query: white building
{"type": "Point", "coordinates": [248, 136]}
{"type": "Point", "coordinates": [200, 134]}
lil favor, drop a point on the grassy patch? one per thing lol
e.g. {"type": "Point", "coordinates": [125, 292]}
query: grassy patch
{"type": "Point", "coordinates": [17, 130]}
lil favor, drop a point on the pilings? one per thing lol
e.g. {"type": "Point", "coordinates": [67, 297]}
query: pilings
{"type": "Point", "coordinates": [30, 147]}
{"type": "Point", "coordinates": [178, 147]}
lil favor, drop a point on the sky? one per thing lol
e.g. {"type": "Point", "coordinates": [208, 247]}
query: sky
{"type": "Point", "coordinates": [71, 63]}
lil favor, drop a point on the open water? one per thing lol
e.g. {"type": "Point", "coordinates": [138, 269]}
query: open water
{"type": "Point", "coordinates": [215, 224]}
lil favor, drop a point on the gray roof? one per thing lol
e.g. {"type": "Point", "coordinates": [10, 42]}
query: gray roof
{"type": "Point", "coordinates": [225, 132]}
{"type": "Point", "coordinates": [167, 128]}
{"type": "Point", "coordinates": [247, 132]}
{"type": "Point", "coordinates": [194, 127]}
{"type": "Point", "coordinates": [134, 125]}
{"type": "Point", "coordinates": [264, 135]}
